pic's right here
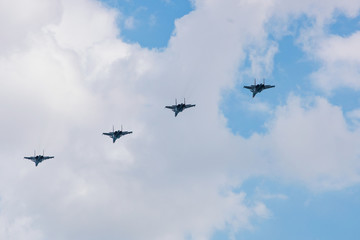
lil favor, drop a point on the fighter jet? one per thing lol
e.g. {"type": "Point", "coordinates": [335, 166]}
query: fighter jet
{"type": "Point", "coordinates": [257, 88]}
{"type": "Point", "coordinates": [179, 107]}
{"type": "Point", "coordinates": [39, 158]}
{"type": "Point", "coordinates": [116, 134]}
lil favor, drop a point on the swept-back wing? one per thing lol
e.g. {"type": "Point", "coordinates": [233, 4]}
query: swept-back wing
{"type": "Point", "coordinates": [189, 105]}
{"type": "Point", "coordinates": [109, 134]}
{"type": "Point", "coordinates": [170, 107]}
{"type": "Point", "coordinates": [47, 157]}
{"type": "Point", "coordinates": [268, 86]}
{"type": "Point", "coordinates": [248, 87]}
{"type": "Point", "coordinates": [30, 158]}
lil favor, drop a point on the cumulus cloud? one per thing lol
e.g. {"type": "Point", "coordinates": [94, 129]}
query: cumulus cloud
{"type": "Point", "coordinates": [311, 141]}
{"type": "Point", "coordinates": [340, 62]}
{"type": "Point", "coordinates": [18, 19]}
{"type": "Point", "coordinates": [337, 56]}
{"type": "Point", "coordinates": [69, 86]}
{"type": "Point", "coordinates": [72, 79]}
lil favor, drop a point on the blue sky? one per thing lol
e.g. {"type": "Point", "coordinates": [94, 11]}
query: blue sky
{"type": "Point", "coordinates": [153, 20]}
{"type": "Point", "coordinates": [282, 165]}
{"type": "Point", "coordinates": [303, 214]}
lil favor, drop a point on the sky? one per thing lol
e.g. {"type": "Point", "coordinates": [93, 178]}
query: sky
{"type": "Point", "coordinates": [282, 165]}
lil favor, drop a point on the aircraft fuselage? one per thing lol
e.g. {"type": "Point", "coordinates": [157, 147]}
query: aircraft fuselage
{"type": "Point", "coordinates": [257, 88]}
{"type": "Point", "coordinates": [116, 134]}
{"type": "Point", "coordinates": [177, 108]}
{"type": "Point", "coordinates": [38, 158]}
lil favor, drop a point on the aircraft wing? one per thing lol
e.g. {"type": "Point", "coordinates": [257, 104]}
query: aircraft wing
{"type": "Point", "coordinates": [170, 107]}
{"type": "Point", "coordinates": [126, 132]}
{"type": "Point", "coordinates": [47, 157]}
{"type": "Point", "coordinates": [268, 86]}
{"type": "Point", "coordinates": [30, 158]}
{"type": "Point", "coordinates": [109, 134]}
{"type": "Point", "coordinates": [248, 87]}
{"type": "Point", "coordinates": [189, 105]}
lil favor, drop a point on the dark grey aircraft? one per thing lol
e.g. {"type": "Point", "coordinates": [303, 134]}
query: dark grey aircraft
{"type": "Point", "coordinates": [116, 134]}
{"type": "Point", "coordinates": [179, 107]}
{"type": "Point", "coordinates": [38, 158]}
{"type": "Point", "coordinates": [257, 88]}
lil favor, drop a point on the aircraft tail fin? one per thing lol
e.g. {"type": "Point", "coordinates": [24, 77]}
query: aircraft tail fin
{"type": "Point", "coordinates": [121, 127]}
{"type": "Point", "coordinates": [254, 81]}
{"type": "Point", "coordinates": [264, 81]}
{"type": "Point", "coordinates": [175, 101]}
{"type": "Point", "coordinates": [113, 129]}
{"type": "Point", "coordinates": [184, 101]}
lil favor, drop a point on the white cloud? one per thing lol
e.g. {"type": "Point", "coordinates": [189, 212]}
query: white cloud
{"type": "Point", "coordinates": [262, 194]}
{"type": "Point", "coordinates": [340, 62]}
{"type": "Point", "coordinates": [355, 117]}
{"type": "Point", "coordinates": [19, 18]}
{"type": "Point", "coordinates": [75, 79]}
{"type": "Point", "coordinates": [261, 210]}
{"type": "Point", "coordinates": [129, 23]}
{"type": "Point", "coordinates": [311, 142]}
{"type": "Point", "coordinates": [262, 60]}
{"type": "Point", "coordinates": [321, 12]}
{"type": "Point", "coordinates": [336, 55]}
{"type": "Point", "coordinates": [83, 24]}
{"type": "Point", "coordinates": [20, 228]}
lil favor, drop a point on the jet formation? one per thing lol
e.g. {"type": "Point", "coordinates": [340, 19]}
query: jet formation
{"type": "Point", "coordinates": [38, 158]}
{"type": "Point", "coordinates": [257, 88]}
{"type": "Point", "coordinates": [177, 108]}
{"type": "Point", "coordinates": [117, 134]}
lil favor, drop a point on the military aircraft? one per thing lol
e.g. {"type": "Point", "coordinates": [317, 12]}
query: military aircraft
{"type": "Point", "coordinates": [116, 134]}
{"type": "Point", "coordinates": [257, 88]}
{"type": "Point", "coordinates": [177, 108]}
{"type": "Point", "coordinates": [38, 158]}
